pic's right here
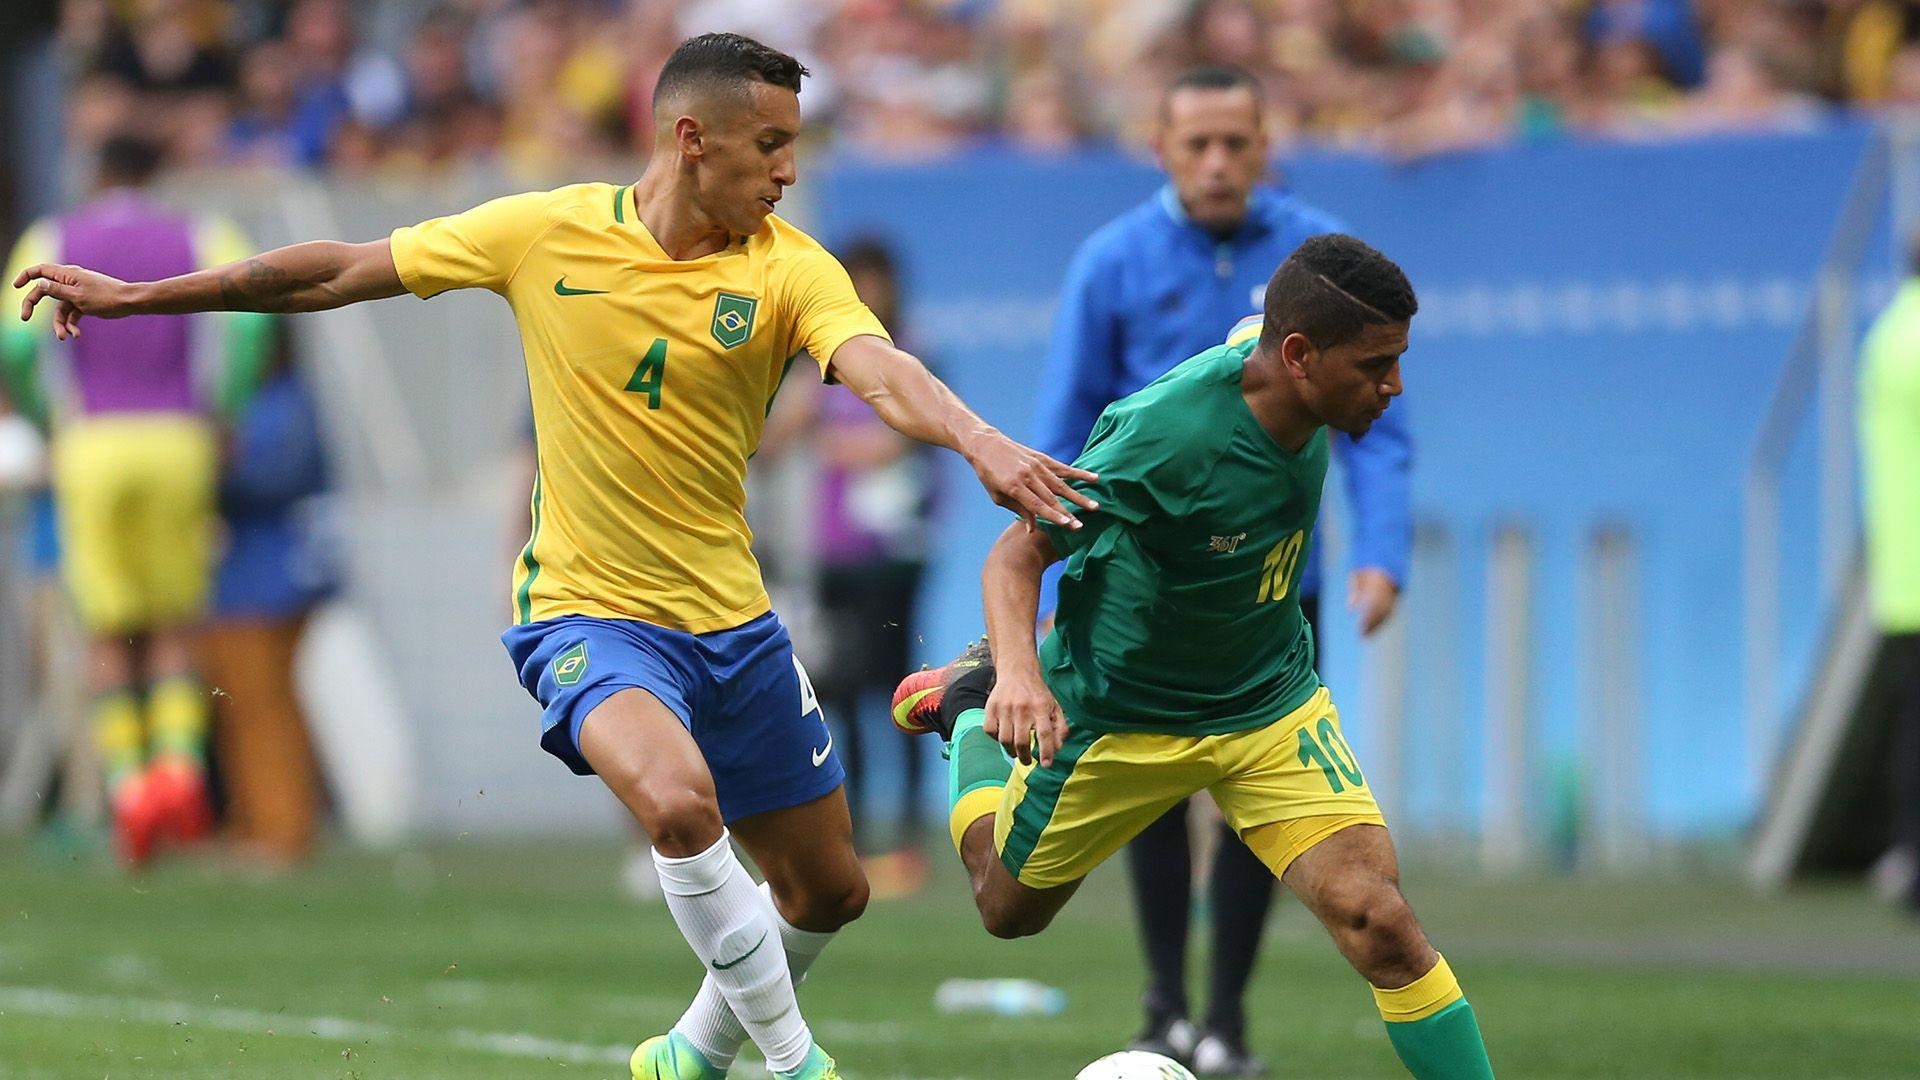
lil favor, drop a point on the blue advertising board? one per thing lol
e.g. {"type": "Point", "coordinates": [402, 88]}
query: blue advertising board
{"type": "Point", "coordinates": [1601, 326]}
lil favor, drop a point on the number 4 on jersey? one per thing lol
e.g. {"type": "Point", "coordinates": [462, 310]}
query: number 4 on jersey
{"type": "Point", "coordinates": [651, 373]}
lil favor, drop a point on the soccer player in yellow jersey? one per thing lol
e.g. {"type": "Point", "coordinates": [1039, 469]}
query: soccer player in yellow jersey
{"type": "Point", "coordinates": [658, 320]}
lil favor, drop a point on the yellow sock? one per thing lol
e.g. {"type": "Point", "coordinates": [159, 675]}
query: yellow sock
{"type": "Point", "coordinates": [117, 734]}
{"type": "Point", "coordinates": [177, 708]}
{"type": "Point", "coordinates": [1433, 1029]}
{"type": "Point", "coordinates": [977, 771]}
{"type": "Point", "coordinates": [1420, 998]}
{"type": "Point", "coordinates": [974, 805]}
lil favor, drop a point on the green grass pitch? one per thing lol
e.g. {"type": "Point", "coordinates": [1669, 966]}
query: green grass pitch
{"type": "Point", "coordinates": [496, 961]}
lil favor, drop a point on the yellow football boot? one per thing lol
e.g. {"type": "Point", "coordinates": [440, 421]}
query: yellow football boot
{"type": "Point", "coordinates": [672, 1057]}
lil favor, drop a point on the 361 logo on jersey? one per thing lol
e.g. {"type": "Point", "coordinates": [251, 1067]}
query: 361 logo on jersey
{"type": "Point", "coordinates": [733, 318]}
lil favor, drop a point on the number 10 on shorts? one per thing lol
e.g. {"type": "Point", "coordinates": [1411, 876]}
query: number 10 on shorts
{"type": "Point", "coordinates": [1324, 746]}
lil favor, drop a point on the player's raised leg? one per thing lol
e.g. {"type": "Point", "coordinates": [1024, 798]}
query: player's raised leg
{"type": "Point", "coordinates": [646, 756]}
{"type": "Point", "coordinates": [1351, 882]}
{"type": "Point", "coordinates": [951, 701]}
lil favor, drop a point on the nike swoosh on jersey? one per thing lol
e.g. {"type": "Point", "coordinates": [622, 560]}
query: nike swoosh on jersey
{"type": "Point", "coordinates": [820, 755]}
{"type": "Point", "coordinates": [742, 958]}
{"type": "Point", "coordinates": [560, 289]}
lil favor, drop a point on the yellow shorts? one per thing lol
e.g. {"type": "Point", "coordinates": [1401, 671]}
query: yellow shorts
{"type": "Point", "coordinates": [135, 497]}
{"type": "Point", "coordinates": [1056, 823]}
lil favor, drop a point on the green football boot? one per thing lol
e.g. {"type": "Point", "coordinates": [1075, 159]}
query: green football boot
{"type": "Point", "coordinates": [672, 1057]}
{"type": "Point", "coordinates": [818, 1066]}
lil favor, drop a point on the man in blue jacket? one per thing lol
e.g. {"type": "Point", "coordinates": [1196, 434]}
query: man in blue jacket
{"type": "Point", "coordinates": [1164, 281]}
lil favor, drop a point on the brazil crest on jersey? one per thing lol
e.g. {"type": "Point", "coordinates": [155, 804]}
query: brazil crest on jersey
{"type": "Point", "coordinates": [1179, 610]}
{"type": "Point", "coordinates": [651, 379]}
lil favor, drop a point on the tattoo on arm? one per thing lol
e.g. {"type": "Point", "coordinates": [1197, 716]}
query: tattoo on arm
{"type": "Point", "coordinates": [256, 285]}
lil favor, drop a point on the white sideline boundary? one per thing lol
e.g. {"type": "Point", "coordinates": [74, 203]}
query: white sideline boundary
{"type": "Point", "coordinates": [46, 1001]}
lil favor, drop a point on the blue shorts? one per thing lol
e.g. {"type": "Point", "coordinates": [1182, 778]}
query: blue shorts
{"type": "Point", "coordinates": [740, 692]}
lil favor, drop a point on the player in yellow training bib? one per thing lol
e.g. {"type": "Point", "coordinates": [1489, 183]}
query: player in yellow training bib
{"type": "Point", "coordinates": [658, 319]}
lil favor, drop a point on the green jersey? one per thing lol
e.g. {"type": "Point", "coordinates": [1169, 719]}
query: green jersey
{"type": "Point", "coordinates": [1179, 610]}
{"type": "Point", "coordinates": [1890, 461]}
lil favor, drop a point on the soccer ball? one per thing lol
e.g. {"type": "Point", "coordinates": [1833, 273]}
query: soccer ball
{"type": "Point", "coordinates": [1135, 1065]}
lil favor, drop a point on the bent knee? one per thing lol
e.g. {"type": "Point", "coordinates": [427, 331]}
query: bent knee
{"type": "Point", "coordinates": [1008, 923]}
{"type": "Point", "coordinates": [1390, 952]}
{"type": "Point", "coordinates": [828, 909]}
{"type": "Point", "coordinates": [1377, 919]}
{"type": "Point", "coordinates": [819, 894]}
{"type": "Point", "coordinates": [680, 822]}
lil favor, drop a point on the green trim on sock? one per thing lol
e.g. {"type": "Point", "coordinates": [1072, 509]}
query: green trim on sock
{"type": "Point", "coordinates": [177, 718]}
{"type": "Point", "coordinates": [1444, 1046]}
{"type": "Point", "coordinates": [119, 736]}
{"type": "Point", "coordinates": [974, 758]}
{"type": "Point", "coordinates": [966, 721]}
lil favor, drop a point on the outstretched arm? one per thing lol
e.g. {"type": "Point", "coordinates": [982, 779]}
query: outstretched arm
{"type": "Point", "coordinates": [916, 404]}
{"type": "Point", "coordinates": [1022, 712]}
{"type": "Point", "coordinates": [315, 276]}
{"type": "Point", "coordinates": [1377, 469]}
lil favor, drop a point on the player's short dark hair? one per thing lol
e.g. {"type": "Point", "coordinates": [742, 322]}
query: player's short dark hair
{"type": "Point", "coordinates": [1330, 289]}
{"type": "Point", "coordinates": [1215, 77]}
{"type": "Point", "coordinates": [1211, 77]}
{"type": "Point", "coordinates": [871, 254]}
{"type": "Point", "coordinates": [127, 158]}
{"type": "Point", "coordinates": [725, 63]}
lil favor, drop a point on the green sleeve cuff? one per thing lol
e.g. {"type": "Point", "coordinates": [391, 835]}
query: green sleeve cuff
{"type": "Point", "coordinates": [20, 373]}
{"type": "Point", "coordinates": [250, 342]}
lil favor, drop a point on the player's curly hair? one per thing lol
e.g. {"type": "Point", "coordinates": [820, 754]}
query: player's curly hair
{"type": "Point", "coordinates": [726, 62]}
{"type": "Point", "coordinates": [1332, 287]}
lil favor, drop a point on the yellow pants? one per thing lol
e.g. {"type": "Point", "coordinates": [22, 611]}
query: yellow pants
{"type": "Point", "coordinates": [1056, 823]}
{"type": "Point", "coordinates": [135, 497]}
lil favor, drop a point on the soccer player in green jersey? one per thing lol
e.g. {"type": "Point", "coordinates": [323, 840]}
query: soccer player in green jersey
{"type": "Point", "coordinates": [1179, 659]}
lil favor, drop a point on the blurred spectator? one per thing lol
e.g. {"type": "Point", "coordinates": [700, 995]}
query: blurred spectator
{"type": "Point", "coordinates": [1665, 27]}
{"type": "Point", "coordinates": [912, 84]}
{"type": "Point", "coordinates": [170, 47]}
{"type": "Point", "coordinates": [132, 430]}
{"type": "Point", "coordinates": [1742, 93]}
{"type": "Point", "coordinates": [60, 751]}
{"type": "Point", "coordinates": [262, 131]}
{"type": "Point", "coordinates": [1903, 78]}
{"type": "Point", "coordinates": [1631, 88]}
{"type": "Point", "coordinates": [564, 102]}
{"type": "Point", "coordinates": [277, 568]}
{"type": "Point", "coordinates": [1548, 79]}
{"type": "Point", "coordinates": [871, 505]}
{"type": "Point", "coordinates": [1862, 42]}
{"type": "Point", "coordinates": [1043, 112]}
{"type": "Point", "coordinates": [543, 85]}
{"type": "Point", "coordinates": [1889, 418]}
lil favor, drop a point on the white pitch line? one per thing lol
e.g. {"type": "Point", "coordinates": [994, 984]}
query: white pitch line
{"type": "Point", "coordinates": [65, 1004]}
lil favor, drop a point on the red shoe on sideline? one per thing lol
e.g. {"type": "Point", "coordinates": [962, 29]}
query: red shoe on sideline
{"type": "Point", "coordinates": [138, 814]}
{"type": "Point", "coordinates": [187, 808]}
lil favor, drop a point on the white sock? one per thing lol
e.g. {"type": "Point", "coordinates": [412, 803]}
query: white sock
{"type": "Point", "coordinates": [728, 924]}
{"type": "Point", "coordinates": [711, 1026]}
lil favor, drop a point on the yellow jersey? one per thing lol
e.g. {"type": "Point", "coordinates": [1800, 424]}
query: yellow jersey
{"type": "Point", "coordinates": [651, 378]}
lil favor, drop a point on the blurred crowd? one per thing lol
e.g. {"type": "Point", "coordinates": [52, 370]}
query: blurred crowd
{"type": "Point", "coordinates": [538, 86]}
